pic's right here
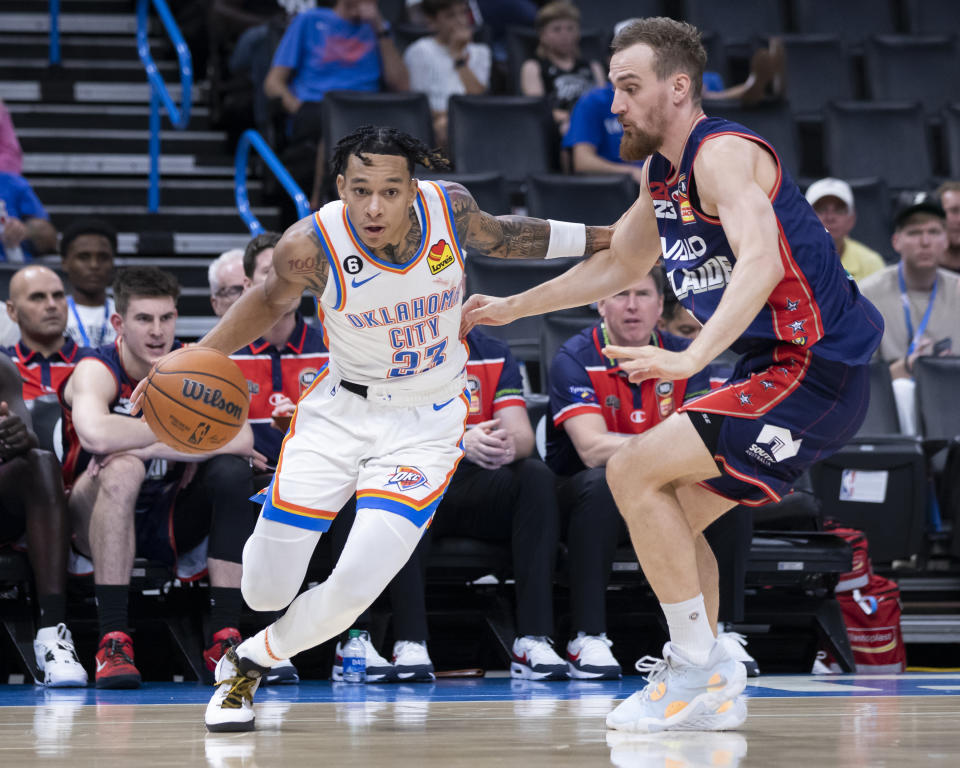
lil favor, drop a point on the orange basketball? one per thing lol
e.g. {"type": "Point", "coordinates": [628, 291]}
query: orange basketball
{"type": "Point", "coordinates": [196, 400]}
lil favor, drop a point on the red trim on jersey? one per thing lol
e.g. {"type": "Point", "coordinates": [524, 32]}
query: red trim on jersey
{"type": "Point", "coordinates": [674, 172]}
{"type": "Point", "coordinates": [793, 284]}
{"type": "Point", "coordinates": [448, 220]}
{"type": "Point", "coordinates": [337, 268]}
{"type": "Point", "coordinates": [289, 506]}
{"type": "Point", "coordinates": [783, 375]}
{"type": "Point", "coordinates": [771, 494]}
{"type": "Point", "coordinates": [756, 140]}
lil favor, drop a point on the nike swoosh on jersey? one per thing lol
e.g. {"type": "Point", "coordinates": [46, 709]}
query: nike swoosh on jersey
{"type": "Point", "coordinates": [443, 405]}
{"type": "Point", "coordinates": [357, 283]}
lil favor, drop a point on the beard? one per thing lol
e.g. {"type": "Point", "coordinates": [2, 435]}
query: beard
{"type": "Point", "coordinates": [636, 145]}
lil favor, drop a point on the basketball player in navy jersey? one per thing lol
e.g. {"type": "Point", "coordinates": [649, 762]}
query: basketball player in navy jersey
{"type": "Point", "coordinates": [747, 256]}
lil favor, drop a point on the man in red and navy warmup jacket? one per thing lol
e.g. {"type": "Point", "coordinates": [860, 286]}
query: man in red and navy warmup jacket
{"type": "Point", "coordinates": [44, 356]}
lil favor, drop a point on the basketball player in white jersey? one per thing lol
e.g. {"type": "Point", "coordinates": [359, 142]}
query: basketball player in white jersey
{"type": "Point", "coordinates": [385, 419]}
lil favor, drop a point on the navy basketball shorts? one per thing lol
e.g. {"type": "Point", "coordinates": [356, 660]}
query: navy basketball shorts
{"type": "Point", "coordinates": [782, 410]}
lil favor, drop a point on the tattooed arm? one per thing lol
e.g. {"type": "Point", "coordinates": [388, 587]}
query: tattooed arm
{"type": "Point", "coordinates": [298, 264]}
{"type": "Point", "coordinates": [509, 237]}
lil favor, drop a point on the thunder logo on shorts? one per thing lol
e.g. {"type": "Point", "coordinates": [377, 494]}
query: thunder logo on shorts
{"type": "Point", "coordinates": [407, 478]}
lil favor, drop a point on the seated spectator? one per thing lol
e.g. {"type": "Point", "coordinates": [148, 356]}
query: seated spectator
{"type": "Point", "coordinates": [676, 320]}
{"type": "Point", "coordinates": [500, 492]}
{"type": "Point", "coordinates": [133, 493]}
{"type": "Point", "coordinates": [226, 280]}
{"type": "Point", "coordinates": [559, 72]}
{"type": "Point", "coordinates": [279, 366]}
{"type": "Point", "coordinates": [34, 502]}
{"type": "Point", "coordinates": [919, 301]}
{"type": "Point", "coordinates": [11, 155]}
{"type": "Point", "coordinates": [448, 62]}
{"type": "Point", "coordinates": [595, 410]}
{"type": "Point", "coordinates": [44, 355]}
{"type": "Point", "coordinates": [594, 136]}
{"type": "Point", "coordinates": [87, 250]}
{"type": "Point", "coordinates": [949, 194]}
{"type": "Point", "coordinates": [346, 47]}
{"type": "Point", "coordinates": [25, 228]}
{"type": "Point", "coordinates": [832, 201]}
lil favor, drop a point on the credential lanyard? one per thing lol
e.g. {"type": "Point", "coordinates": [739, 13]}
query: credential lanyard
{"type": "Point", "coordinates": [83, 331]}
{"type": "Point", "coordinates": [905, 300]}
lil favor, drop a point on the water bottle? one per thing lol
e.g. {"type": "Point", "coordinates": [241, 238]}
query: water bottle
{"type": "Point", "coordinates": [354, 659]}
{"type": "Point", "coordinates": [14, 254]}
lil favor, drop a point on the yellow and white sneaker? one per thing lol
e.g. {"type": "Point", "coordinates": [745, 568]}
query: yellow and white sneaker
{"type": "Point", "coordinates": [231, 707]}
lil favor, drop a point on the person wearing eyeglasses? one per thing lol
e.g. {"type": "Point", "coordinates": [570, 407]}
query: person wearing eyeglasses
{"type": "Point", "coordinates": [225, 276]}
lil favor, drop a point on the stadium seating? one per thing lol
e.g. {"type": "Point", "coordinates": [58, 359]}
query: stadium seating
{"type": "Point", "coordinates": [863, 137]}
{"type": "Point", "coordinates": [555, 329]}
{"type": "Point", "coordinates": [594, 200]}
{"type": "Point", "coordinates": [874, 224]}
{"type": "Point", "coordinates": [488, 189]}
{"type": "Point", "coordinates": [512, 135]}
{"type": "Point", "coordinates": [737, 22]}
{"type": "Point", "coordinates": [818, 71]}
{"type": "Point", "coordinates": [853, 20]}
{"type": "Point", "coordinates": [344, 111]}
{"type": "Point", "coordinates": [503, 277]}
{"type": "Point", "coordinates": [951, 134]}
{"type": "Point", "coordinates": [772, 121]}
{"type": "Point", "coordinates": [932, 17]}
{"type": "Point", "coordinates": [913, 68]}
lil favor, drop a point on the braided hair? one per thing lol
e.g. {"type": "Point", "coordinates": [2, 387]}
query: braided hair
{"type": "Point", "coordinates": [380, 140]}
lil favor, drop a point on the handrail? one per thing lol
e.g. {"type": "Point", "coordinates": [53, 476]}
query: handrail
{"type": "Point", "coordinates": [250, 139]}
{"type": "Point", "coordinates": [54, 33]}
{"type": "Point", "coordinates": [158, 88]}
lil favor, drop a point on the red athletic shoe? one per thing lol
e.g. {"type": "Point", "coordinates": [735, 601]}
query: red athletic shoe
{"type": "Point", "coordinates": [223, 641]}
{"type": "Point", "coordinates": [115, 668]}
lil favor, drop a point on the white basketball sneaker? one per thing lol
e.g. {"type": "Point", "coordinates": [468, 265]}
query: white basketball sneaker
{"type": "Point", "coordinates": [231, 707]}
{"type": "Point", "coordinates": [57, 660]}
{"type": "Point", "coordinates": [533, 658]}
{"type": "Point", "coordinates": [680, 693]}
{"type": "Point", "coordinates": [379, 670]}
{"type": "Point", "coordinates": [589, 658]}
{"type": "Point", "coordinates": [412, 662]}
{"type": "Point", "coordinates": [736, 647]}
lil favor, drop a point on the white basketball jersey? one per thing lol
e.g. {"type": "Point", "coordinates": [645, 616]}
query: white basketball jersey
{"type": "Point", "coordinates": [394, 324]}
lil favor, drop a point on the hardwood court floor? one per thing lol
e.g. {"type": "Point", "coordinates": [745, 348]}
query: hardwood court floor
{"type": "Point", "coordinates": [911, 720]}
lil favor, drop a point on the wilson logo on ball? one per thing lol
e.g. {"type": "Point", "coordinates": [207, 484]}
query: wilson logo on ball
{"type": "Point", "coordinates": [212, 397]}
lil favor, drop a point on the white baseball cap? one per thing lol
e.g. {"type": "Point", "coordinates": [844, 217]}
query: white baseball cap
{"type": "Point", "coordinates": [830, 187]}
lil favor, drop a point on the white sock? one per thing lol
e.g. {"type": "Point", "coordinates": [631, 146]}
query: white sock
{"type": "Point", "coordinates": [690, 628]}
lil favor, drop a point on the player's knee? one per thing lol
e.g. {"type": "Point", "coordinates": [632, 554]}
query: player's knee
{"type": "Point", "coordinates": [261, 581]}
{"type": "Point", "coordinates": [261, 595]}
{"type": "Point", "coordinates": [121, 478]}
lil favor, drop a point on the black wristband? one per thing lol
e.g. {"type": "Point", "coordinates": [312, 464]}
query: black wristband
{"type": "Point", "coordinates": [385, 32]}
{"type": "Point", "coordinates": [461, 62]}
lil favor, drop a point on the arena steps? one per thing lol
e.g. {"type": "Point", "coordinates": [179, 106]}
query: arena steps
{"type": "Point", "coordinates": [84, 129]}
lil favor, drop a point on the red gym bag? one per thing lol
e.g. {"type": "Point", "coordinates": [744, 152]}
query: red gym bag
{"type": "Point", "coordinates": [872, 617]}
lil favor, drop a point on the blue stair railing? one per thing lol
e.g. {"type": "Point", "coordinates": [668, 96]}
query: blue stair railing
{"type": "Point", "coordinates": [250, 139]}
{"type": "Point", "coordinates": [54, 33]}
{"type": "Point", "coordinates": [159, 94]}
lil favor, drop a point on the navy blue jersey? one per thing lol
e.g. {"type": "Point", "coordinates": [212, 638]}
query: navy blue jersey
{"type": "Point", "coordinates": [583, 381]}
{"type": "Point", "coordinates": [75, 459]}
{"type": "Point", "coordinates": [816, 306]}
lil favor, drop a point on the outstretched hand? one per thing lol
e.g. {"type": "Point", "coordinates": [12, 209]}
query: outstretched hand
{"type": "Point", "coordinates": [650, 362]}
{"type": "Point", "coordinates": [485, 310]}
